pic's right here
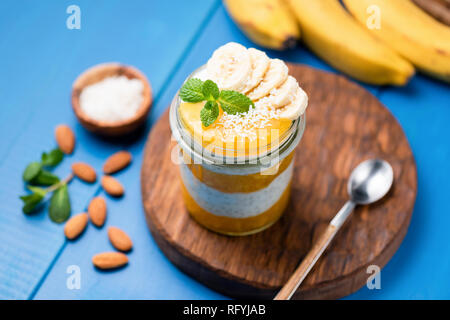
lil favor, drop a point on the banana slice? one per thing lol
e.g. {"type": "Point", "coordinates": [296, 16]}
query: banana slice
{"type": "Point", "coordinates": [296, 108]}
{"type": "Point", "coordinates": [274, 77]}
{"type": "Point", "coordinates": [230, 67]}
{"type": "Point", "coordinates": [260, 64]}
{"type": "Point", "coordinates": [283, 95]}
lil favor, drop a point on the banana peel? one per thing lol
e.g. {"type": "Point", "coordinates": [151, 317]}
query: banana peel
{"type": "Point", "coordinates": [268, 23]}
{"type": "Point", "coordinates": [410, 32]}
{"type": "Point", "coordinates": [335, 36]}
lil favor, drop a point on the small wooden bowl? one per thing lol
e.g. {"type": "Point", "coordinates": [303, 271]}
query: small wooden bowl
{"type": "Point", "coordinates": [98, 73]}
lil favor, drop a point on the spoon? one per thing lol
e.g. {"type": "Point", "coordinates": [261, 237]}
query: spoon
{"type": "Point", "coordinates": [369, 182]}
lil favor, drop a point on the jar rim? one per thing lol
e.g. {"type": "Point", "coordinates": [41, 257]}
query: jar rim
{"type": "Point", "coordinates": [199, 154]}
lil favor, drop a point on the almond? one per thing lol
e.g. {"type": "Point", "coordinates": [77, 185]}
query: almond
{"type": "Point", "coordinates": [112, 186]}
{"type": "Point", "coordinates": [97, 211]}
{"type": "Point", "coordinates": [65, 138]}
{"type": "Point", "coordinates": [109, 260]}
{"type": "Point", "coordinates": [84, 171]}
{"type": "Point", "coordinates": [116, 162]}
{"type": "Point", "coordinates": [75, 225]}
{"type": "Point", "coordinates": [119, 239]}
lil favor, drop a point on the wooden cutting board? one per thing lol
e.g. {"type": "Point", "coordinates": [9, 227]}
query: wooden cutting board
{"type": "Point", "coordinates": [345, 125]}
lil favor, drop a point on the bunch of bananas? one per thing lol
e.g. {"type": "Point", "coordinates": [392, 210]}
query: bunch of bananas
{"type": "Point", "coordinates": [375, 41]}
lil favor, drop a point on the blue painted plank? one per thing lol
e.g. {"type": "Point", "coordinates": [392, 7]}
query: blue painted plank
{"type": "Point", "coordinates": [40, 58]}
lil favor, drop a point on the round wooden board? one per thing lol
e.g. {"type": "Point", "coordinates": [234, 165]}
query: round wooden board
{"type": "Point", "coordinates": [345, 125]}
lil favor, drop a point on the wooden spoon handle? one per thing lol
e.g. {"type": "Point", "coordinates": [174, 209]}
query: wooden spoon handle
{"type": "Point", "coordinates": [308, 262]}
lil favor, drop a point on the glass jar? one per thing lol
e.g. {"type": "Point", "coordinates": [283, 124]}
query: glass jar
{"type": "Point", "coordinates": [235, 191]}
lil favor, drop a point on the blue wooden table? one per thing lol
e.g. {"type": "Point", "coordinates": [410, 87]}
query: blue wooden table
{"type": "Point", "coordinates": [40, 58]}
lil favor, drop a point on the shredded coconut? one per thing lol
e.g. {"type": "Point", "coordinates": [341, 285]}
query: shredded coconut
{"type": "Point", "coordinates": [244, 125]}
{"type": "Point", "coordinates": [112, 99]}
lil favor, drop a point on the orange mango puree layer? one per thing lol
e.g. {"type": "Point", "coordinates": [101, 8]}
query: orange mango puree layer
{"type": "Point", "coordinates": [215, 138]}
{"type": "Point", "coordinates": [236, 226]}
{"type": "Point", "coordinates": [238, 183]}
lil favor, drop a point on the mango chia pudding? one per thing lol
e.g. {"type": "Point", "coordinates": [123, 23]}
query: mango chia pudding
{"type": "Point", "coordinates": [237, 121]}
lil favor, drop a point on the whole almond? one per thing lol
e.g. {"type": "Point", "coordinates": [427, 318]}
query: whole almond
{"type": "Point", "coordinates": [119, 239]}
{"type": "Point", "coordinates": [97, 211]}
{"type": "Point", "coordinates": [75, 225]}
{"type": "Point", "coordinates": [65, 138]}
{"type": "Point", "coordinates": [109, 260]}
{"type": "Point", "coordinates": [84, 171]}
{"type": "Point", "coordinates": [116, 162]}
{"type": "Point", "coordinates": [112, 186]}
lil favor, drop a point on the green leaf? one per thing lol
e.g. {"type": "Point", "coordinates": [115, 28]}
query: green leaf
{"type": "Point", "coordinates": [31, 171]}
{"type": "Point", "coordinates": [52, 158]}
{"type": "Point", "coordinates": [210, 90]}
{"type": "Point", "coordinates": [209, 113]}
{"type": "Point", "coordinates": [31, 201]}
{"type": "Point", "coordinates": [38, 190]}
{"type": "Point", "coordinates": [191, 91]}
{"type": "Point", "coordinates": [45, 178]}
{"type": "Point", "coordinates": [59, 209]}
{"type": "Point", "coordinates": [233, 102]}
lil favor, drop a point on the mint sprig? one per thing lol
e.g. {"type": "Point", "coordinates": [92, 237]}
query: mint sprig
{"type": "Point", "coordinates": [35, 174]}
{"type": "Point", "coordinates": [59, 209]}
{"type": "Point", "coordinates": [232, 102]}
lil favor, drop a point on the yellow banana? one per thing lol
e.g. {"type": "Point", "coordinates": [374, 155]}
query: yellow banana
{"type": "Point", "coordinates": [336, 37]}
{"type": "Point", "coordinates": [410, 31]}
{"type": "Point", "coordinates": [266, 22]}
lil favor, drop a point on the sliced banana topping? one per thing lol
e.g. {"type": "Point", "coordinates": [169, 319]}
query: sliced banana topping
{"type": "Point", "coordinates": [284, 94]}
{"type": "Point", "coordinates": [264, 80]}
{"type": "Point", "coordinates": [296, 108]}
{"type": "Point", "coordinates": [230, 67]}
{"type": "Point", "coordinates": [274, 77]}
{"type": "Point", "coordinates": [260, 65]}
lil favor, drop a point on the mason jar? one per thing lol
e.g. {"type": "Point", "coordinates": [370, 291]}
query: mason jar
{"type": "Point", "coordinates": [237, 189]}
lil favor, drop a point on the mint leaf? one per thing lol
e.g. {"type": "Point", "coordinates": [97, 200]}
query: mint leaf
{"type": "Point", "coordinates": [52, 158]}
{"type": "Point", "coordinates": [31, 201]}
{"type": "Point", "coordinates": [191, 91]}
{"type": "Point", "coordinates": [209, 113]}
{"type": "Point", "coordinates": [59, 209]}
{"type": "Point", "coordinates": [40, 191]}
{"type": "Point", "coordinates": [45, 178]}
{"type": "Point", "coordinates": [31, 171]}
{"type": "Point", "coordinates": [233, 102]}
{"type": "Point", "coordinates": [210, 90]}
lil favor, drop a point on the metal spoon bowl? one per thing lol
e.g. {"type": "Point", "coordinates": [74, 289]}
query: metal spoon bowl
{"type": "Point", "coordinates": [370, 181]}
